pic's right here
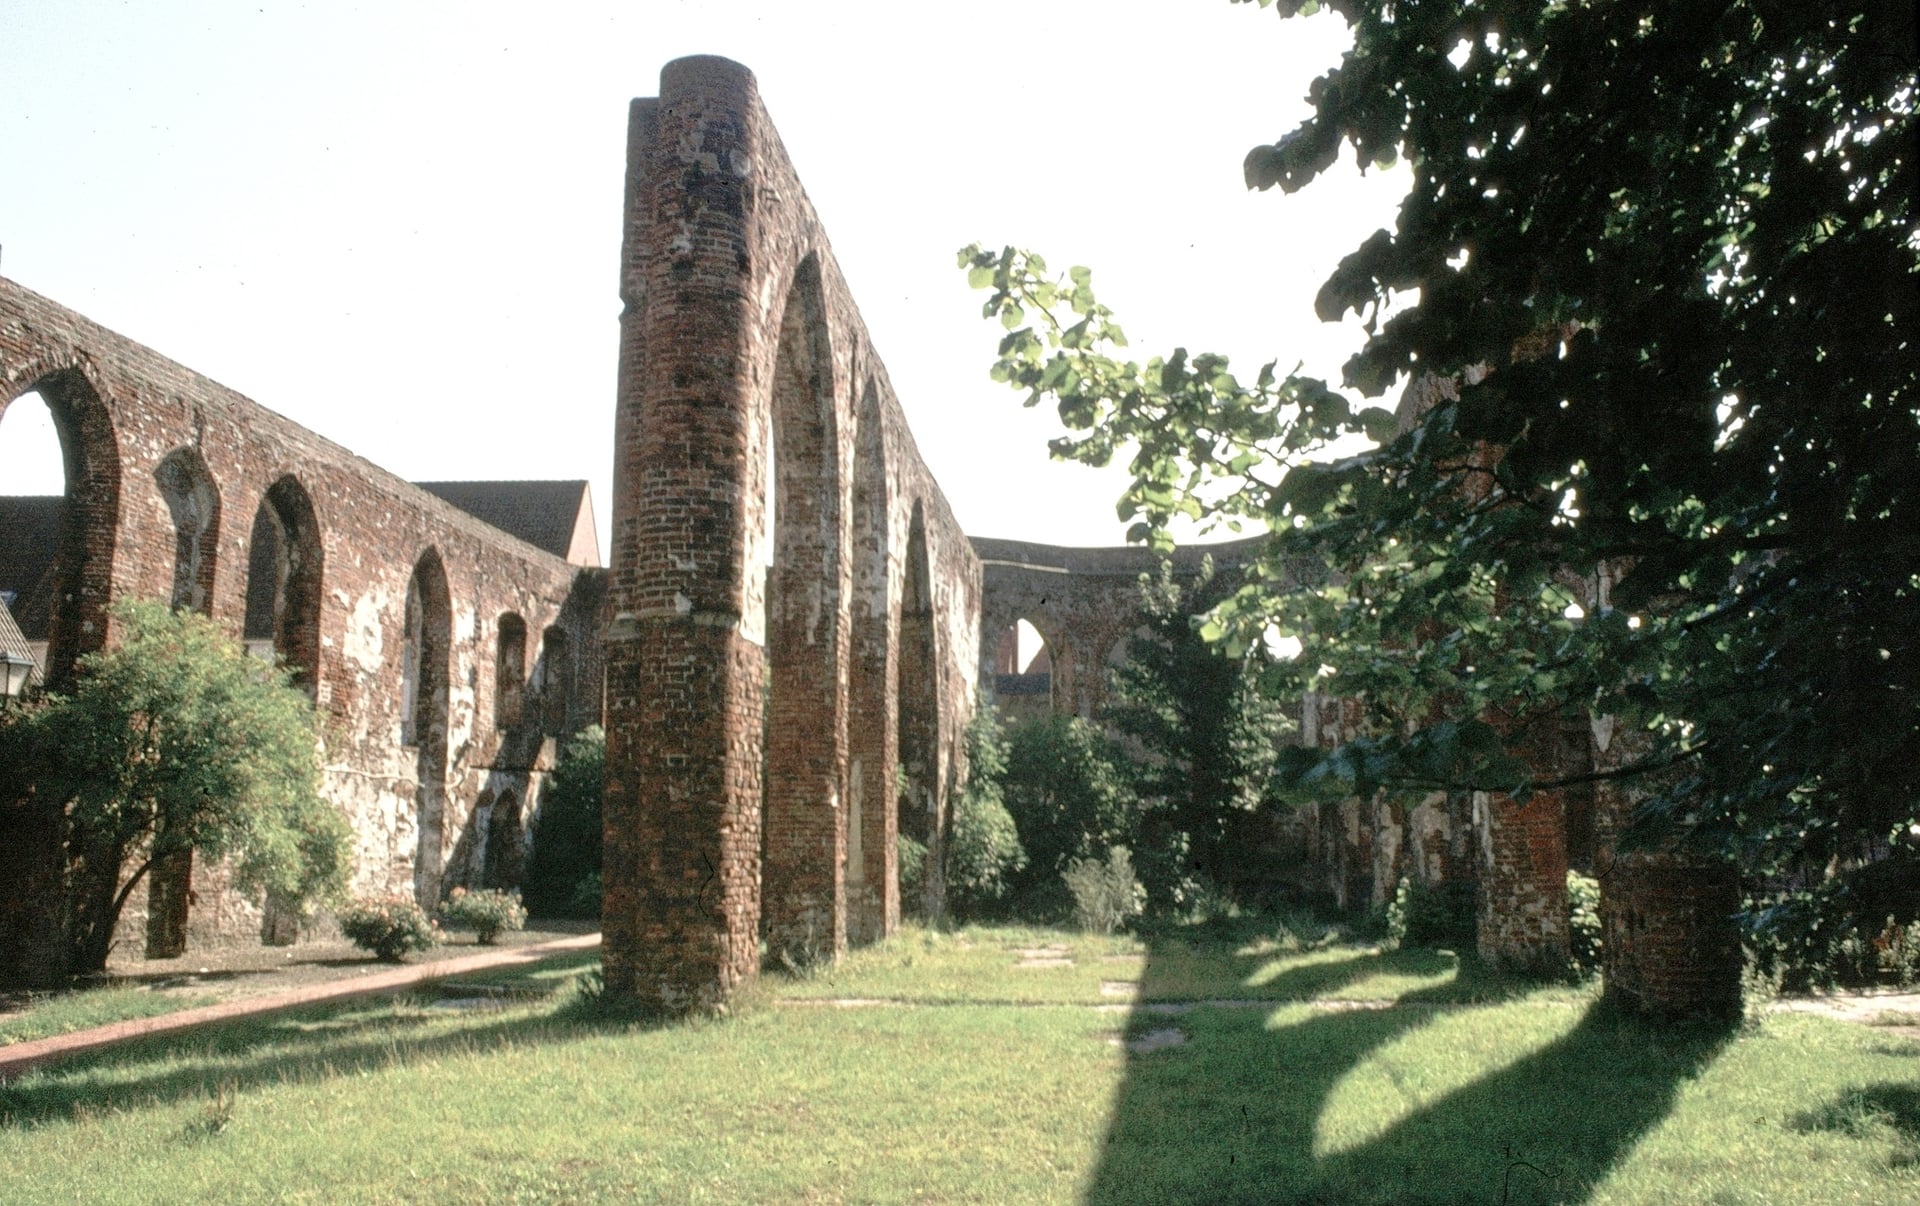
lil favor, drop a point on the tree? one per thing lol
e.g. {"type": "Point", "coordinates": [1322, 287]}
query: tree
{"type": "Point", "coordinates": [1657, 291]}
{"type": "Point", "coordinates": [563, 873]}
{"type": "Point", "coordinates": [173, 740]}
{"type": "Point", "coordinates": [984, 852]}
{"type": "Point", "coordinates": [1206, 740]}
{"type": "Point", "coordinates": [1068, 797]}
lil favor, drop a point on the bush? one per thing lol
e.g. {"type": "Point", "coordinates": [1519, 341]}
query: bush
{"type": "Point", "coordinates": [1068, 800]}
{"type": "Point", "coordinates": [913, 875]}
{"type": "Point", "coordinates": [985, 850]}
{"type": "Point", "coordinates": [389, 926]}
{"type": "Point", "coordinates": [1105, 894]}
{"type": "Point", "coordinates": [563, 869]}
{"type": "Point", "coordinates": [486, 913]}
{"type": "Point", "coordinates": [1431, 915]}
{"type": "Point", "coordinates": [1583, 924]}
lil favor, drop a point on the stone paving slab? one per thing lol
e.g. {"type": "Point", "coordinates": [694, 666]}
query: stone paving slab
{"type": "Point", "coordinates": [16, 1058]}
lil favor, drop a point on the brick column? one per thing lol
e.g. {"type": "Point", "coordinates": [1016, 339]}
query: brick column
{"type": "Point", "coordinates": [1671, 949]}
{"type": "Point", "coordinates": [1522, 891]}
{"type": "Point", "coordinates": [684, 682]}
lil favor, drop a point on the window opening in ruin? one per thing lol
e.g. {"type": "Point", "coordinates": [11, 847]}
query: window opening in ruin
{"type": "Point", "coordinates": [556, 680]}
{"type": "Point", "coordinates": [284, 583]}
{"type": "Point", "coordinates": [1023, 678]}
{"type": "Point", "coordinates": [918, 716]}
{"type": "Point", "coordinates": [804, 728]}
{"type": "Point", "coordinates": [873, 745]}
{"type": "Point", "coordinates": [194, 504]}
{"type": "Point", "coordinates": [33, 499]}
{"type": "Point", "coordinates": [510, 671]}
{"type": "Point", "coordinates": [425, 674]}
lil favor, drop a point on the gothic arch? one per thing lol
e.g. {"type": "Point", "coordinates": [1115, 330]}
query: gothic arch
{"type": "Point", "coordinates": [79, 585]}
{"type": "Point", "coordinates": [873, 747]}
{"type": "Point", "coordinates": [193, 503]}
{"type": "Point", "coordinates": [285, 576]}
{"type": "Point", "coordinates": [804, 837]}
{"type": "Point", "coordinates": [425, 679]}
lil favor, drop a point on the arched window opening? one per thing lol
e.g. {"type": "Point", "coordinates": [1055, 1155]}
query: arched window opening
{"type": "Point", "coordinates": [873, 902]}
{"type": "Point", "coordinates": [556, 680]}
{"type": "Point", "coordinates": [33, 476]}
{"type": "Point", "coordinates": [510, 671]}
{"type": "Point", "coordinates": [803, 750]}
{"type": "Point", "coordinates": [60, 474]}
{"type": "Point", "coordinates": [1022, 672]}
{"type": "Point", "coordinates": [425, 671]}
{"type": "Point", "coordinates": [194, 504]}
{"type": "Point", "coordinates": [917, 700]}
{"type": "Point", "coordinates": [284, 582]}
{"type": "Point", "coordinates": [506, 852]}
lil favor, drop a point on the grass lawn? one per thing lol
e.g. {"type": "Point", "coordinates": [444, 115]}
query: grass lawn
{"type": "Point", "coordinates": [1205, 1067]}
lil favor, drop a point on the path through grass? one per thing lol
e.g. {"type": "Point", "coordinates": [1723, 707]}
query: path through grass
{"type": "Point", "coordinates": [991, 1071]}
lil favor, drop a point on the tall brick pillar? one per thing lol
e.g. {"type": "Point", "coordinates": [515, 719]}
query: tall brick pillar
{"type": "Point", "coordinates": [1522, 890]}
{"type": "Point", "coordinates": [701, 720]}
{"type": "Point", "coordinates": [1672, 949]}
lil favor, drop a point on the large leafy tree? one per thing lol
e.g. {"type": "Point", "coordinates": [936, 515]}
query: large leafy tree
{"type": "Point", "coordinates": [1206, 740]}
{"type": "Point", "coordinates": [1654, 289]}
{"type": "Point", "coordinates": [173, 740]}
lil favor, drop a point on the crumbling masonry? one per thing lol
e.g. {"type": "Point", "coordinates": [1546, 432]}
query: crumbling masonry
{"type": "Point", "coordinates": [785, 650]}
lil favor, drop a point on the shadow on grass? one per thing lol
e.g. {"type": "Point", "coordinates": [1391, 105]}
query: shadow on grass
{"type": "Point", "coordinates": [297, 1046]}
{"type": "Point", "coordinates": [1234, 1115]}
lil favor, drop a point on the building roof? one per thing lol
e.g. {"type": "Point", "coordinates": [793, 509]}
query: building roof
{"type": "Point", "coordinates": [29, 541]}
{"type": "Point", "coordinates": [554, 516]}
{"type": "Point", "coordinates": [13, 645]}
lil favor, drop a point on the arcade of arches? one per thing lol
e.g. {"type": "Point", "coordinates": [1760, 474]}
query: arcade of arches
{"type": "Point", "coordinates": [784, 650]}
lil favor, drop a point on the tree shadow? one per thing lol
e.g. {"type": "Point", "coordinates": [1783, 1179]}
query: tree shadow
{"type": "Point", "coordinates": [317, 1043]}
{"type": "Point", "coordinates": [1234, 1114]}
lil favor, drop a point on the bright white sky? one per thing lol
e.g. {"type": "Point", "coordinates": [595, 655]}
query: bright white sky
{"type": "Point", "coordinates": [398, 223]}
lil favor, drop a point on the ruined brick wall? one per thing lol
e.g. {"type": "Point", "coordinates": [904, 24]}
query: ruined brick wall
{"type": "Point", "coordinates": [793, 608]}
{"type": "Point", "coordinates": [1084, 602]}
{"type": "Point", "coordinates": [136, 426]}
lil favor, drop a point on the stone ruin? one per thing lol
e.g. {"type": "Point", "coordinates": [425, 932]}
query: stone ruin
{"type": "Point", "coordinates": [784, 651]}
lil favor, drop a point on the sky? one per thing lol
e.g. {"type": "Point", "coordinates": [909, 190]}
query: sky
{"type": "Point", "coordinates": [399, 223]}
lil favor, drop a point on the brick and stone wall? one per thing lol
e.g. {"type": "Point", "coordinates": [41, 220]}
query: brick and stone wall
{"type": "Point", "coordinates": [170, 476]}
{"type": "Point", "coordinates": [793, 607]}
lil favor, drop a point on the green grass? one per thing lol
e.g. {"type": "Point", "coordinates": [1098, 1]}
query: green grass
{"type": "Point", "coordinates": [73, 1011]}
{"type": "Point", "coordinates": [1357, 1077]}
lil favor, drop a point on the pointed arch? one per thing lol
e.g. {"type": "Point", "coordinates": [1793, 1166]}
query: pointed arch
{"type": "Point", "coordinates": [66, 604]}
{"type": "Point", "coordinates": [803, 884]}
{"type": "Point", "coordinates": [918, 702]}
{"type": "Point", "coordinates": [193, 502]}
{"type": "Point", "coordinates": [284, 581]}
{"type": "Point", "coordinates": [426, 653]}
{"type": "Point", "coordinates": [873, 887]}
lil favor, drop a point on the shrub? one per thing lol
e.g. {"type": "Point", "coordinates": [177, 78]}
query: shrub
{"type": "Point", "coordinates": [1105, 894]}
{"type": "Point", "coordinates": [1897, 951]}
{"type": "Point", "coordinates": [985, 850]}
{"type": "Point", "coordinates": [389, 926]}
{"type": "Point", "coordinates": [913, 875]}
{"type": "Point", "coordinates": [1583, 924]}
{"type": "Point", "coordinates": [1430, 915]}
{"type": "Point", "coordinates": [563, 869]}
{"type": "Point", "coordinates": [1068, 800]}
{"type": "Point", "coordinates": [486, 913]}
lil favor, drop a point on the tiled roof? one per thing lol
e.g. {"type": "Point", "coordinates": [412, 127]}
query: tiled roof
{"type": "Point", "coordinates": [554, 516]}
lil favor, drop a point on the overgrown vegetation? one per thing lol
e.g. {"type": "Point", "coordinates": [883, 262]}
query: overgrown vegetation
{"type": "Point", "coordinates": [1654, 283]}
{"type": "Point", "coordinates": [563, 869]}
{"type": "Point", "coordinates": [1105, 893]}
{"type": "Point", "coordinates": [173, 740]}
{"type": "Point", "coordinates": [1203, 741]}
{"type": "Point", "coordinates": [984, 853]}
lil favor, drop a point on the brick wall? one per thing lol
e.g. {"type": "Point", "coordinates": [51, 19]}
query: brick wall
{"type": "Point", "coordinates": [750, 711]}
{"type": "Point", "coordinates": [130, 419]}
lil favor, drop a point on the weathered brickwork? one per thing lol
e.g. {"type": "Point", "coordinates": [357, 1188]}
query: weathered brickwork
{"type": "Point", "coordinates": [792, 605]}
{"type": "Point", "coordinates": [170, 477]}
